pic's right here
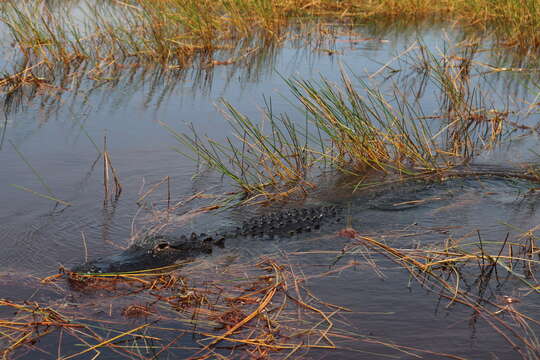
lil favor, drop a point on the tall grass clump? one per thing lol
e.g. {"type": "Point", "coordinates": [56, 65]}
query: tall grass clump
{"type": "Point", "coordinates": [390, 132]}
{"type": "Point", "coordinates": [367, 132]}
{"type": "Point", "coordinates": [469, 119]}
{"type": "Point", "coordinates": [273, 162]}
{"type": "Point", "coordinates": [358, 129]}
{"type": "Point", "coordinates": [171, 32]}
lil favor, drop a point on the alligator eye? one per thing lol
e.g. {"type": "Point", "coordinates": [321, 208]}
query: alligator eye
{"type": "Point", "coordinates": [94, 269]}
{"type": "Point", "coordinates": [161, 246]}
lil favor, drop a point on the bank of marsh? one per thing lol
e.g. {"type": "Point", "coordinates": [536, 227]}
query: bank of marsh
{"type": "Point", "coordinates": [179, 34]}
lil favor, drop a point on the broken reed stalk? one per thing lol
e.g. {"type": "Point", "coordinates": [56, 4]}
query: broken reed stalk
{"type": "Point", "coordinates": [85, 246]}
{"type": "Point", "coordinates": [107, 166]}
{"type": "Point", "coordinates": [105, 169]}
{"type": "Point", "coordinates": [168, 193]}
{"type": "Point", "coordinates": [117, 184]}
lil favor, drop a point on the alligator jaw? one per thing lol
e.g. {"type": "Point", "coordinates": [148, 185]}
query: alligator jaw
{"type": "Point", "coordinates": [136, 258]}
{"type": "Point", "coordinates": [128, 261]}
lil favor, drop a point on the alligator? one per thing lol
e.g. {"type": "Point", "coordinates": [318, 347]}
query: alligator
{"type": "Point", "coordinates": [161, 250]}
{"type": "Point", "coordinates": [157, 251]}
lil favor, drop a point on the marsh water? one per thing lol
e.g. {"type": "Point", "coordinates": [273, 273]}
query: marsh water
{"type": "Point", "coordinates": [51, 144]}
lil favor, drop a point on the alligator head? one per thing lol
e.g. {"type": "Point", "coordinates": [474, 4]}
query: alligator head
{"type": "Point", "coordinates": [165, 250]}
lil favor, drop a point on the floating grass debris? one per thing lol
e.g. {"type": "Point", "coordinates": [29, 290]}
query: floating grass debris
{"type": "Point", "coordinates": [450, 270]}
{"type": "Point", "coordinates": [231, 307]}
{"type": "Point", "coordinates": [245, 308]}
{"type": "Point", "coordinates": [262, 308]}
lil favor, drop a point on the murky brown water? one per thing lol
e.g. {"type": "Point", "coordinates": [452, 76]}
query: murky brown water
{"type": "Point", "coordinates": [53, 135]}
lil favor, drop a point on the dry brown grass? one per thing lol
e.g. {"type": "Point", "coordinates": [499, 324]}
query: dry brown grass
{"type": "Point", "coordinates": [226, 308]}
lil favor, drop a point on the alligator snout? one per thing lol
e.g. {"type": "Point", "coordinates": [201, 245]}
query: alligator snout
{"type": "Point", "coordinates": [165, 251]}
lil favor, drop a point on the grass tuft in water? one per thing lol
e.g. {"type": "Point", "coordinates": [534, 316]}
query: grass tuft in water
{"type": "Point", "coordinates": [255, 158]}
{"type": "Point", "coordinates": [357, 129]}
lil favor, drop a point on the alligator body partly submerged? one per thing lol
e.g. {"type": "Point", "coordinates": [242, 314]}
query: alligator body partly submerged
{"type": "Point", "coordinates": [161, 250]}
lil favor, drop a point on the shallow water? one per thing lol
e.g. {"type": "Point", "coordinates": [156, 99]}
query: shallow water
{"type": "Point", "coordinates": [48, 141]}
